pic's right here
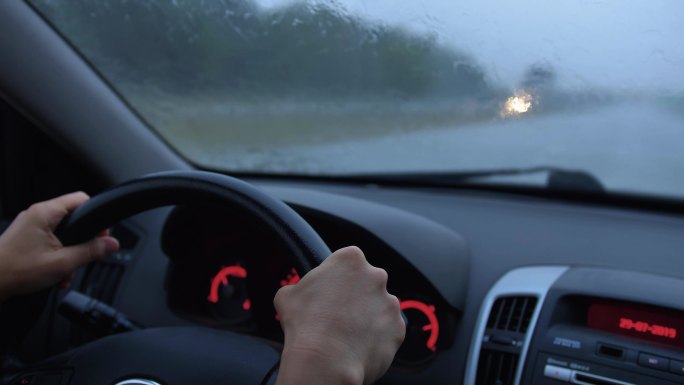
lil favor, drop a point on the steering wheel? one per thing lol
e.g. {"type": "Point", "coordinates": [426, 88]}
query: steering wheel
{"type": "Point", "coordinates": [181, 355]}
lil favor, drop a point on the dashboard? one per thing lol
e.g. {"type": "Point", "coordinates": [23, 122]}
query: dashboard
{"type": "Point", "coordinates": [461, 255]}
{"type": "Point", "coordinates": [497, 289]}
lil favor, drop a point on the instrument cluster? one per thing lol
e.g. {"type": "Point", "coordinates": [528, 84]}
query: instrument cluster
{"type": "Point", "coordinates": [225, 275]}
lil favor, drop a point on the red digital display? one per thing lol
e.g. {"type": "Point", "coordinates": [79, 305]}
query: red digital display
{"type": "Point", "coordinates": [644, 327]}
{"type": "Point", "coordinates": [640, 321]}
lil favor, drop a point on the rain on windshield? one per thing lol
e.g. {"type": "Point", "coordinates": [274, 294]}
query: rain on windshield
{"type": "Point", "coordinates": [356, 86]}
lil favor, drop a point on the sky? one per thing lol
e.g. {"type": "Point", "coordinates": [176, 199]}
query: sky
{"type": "Point", "coordinates": [621, 45]}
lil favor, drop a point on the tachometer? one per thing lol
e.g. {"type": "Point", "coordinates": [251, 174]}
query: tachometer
{"type": "Point", "coordinates": [422, 331]}
{"type": "Point", "coordinates": [291, 278]}
{"type": "Point", "coordinates": [228, 298]}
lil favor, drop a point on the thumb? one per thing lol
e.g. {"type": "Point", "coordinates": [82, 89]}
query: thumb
{"type": "Point", "coordinates": [69, 258]}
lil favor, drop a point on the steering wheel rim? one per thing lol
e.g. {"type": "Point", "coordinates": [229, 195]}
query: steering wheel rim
{"type": "Point", "coordinates": [305, 246]}
{"type": "Point", "coordinates": [154, 354]}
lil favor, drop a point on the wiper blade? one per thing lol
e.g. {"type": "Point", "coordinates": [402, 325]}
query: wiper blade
{"type": "Point", "coordinates": [558, 179]}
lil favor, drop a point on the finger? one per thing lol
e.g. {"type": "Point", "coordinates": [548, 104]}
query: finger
{"type": "Point", "coordinates": [351, 250]}
{"type": "Point", "coordinates": [349, 256]}
{"type": "Point", "coordinates": [56, 209]}
{"type": "Point", "coordinates": [69, 258]}
{"type": "Point", "coordinates": [395, 307]}
{"type": "Point", "coordinates": [72, 200]}
{"type": "Point", "coordinates": [281, 294]}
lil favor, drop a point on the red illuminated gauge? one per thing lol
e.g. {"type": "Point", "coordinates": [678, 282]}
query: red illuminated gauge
{"type": "Point", "coordinates": [290, 279]}
{"type": "Point", "coordinates": [227, 297]}
{"type": "Point", "coordinates": [422, 331]}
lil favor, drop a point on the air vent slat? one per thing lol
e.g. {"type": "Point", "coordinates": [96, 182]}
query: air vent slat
{"type": "Point", "coordinates": [512, 364]}
{"type": "Point", "coordinates": [497, 311]}
{"type": "Point", "coordinates": [101, 280]}
{"type": "Point", "coordinates": [505, 306]}
{"type": "Point", "coordinates": [511, 311]}
{"type": "Point", "coordinates": [512, 314]}
{"type": "Point", "coordinates": [496, 368]}
{"type": "Point", "coordinates": [110, 283]}
{"type": "Point", "coordinates": [499, 367]}
{"type": "Point", "coordinates": [527, 316]}
{"type": "Point", "coordinates": [518, 317]}
{"type": "Point", "coordinates": [488, 368]}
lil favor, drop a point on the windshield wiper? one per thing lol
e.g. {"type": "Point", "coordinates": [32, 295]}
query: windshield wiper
{"type": "Point", "coordinates": [558, 179]}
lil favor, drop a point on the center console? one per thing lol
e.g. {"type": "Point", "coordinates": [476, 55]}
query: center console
{"type": "Point", "coordinates": [587, 326]}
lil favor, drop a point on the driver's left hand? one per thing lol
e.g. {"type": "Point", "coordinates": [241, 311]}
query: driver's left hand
{"type": "Point", "coordinates": [31, 256]}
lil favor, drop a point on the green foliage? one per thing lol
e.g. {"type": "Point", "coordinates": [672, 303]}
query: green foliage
{"type": "Point", "coordinates": [234, 47]}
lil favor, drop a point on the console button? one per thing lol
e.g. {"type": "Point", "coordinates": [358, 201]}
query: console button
{"type": "Point", "coordinates": [557, 373]}
{"type": "Point", "coordinates": [677, 367]}
{"type": "Point", "coordinates": [654, 362]}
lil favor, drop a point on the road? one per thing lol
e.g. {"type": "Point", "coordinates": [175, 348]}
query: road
{"type": "Point", "coordinates": [634, 147]}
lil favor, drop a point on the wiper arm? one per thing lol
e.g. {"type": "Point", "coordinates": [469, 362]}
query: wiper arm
{"type": "Point", "coordinates": [559, 179]}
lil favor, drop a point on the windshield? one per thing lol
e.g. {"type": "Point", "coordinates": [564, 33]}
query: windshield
{"type": "Point", "coordinates": [345, 87]}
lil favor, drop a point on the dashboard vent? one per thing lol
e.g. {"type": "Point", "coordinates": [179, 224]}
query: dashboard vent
{"type": "Point", "coordinates": [496, 368]}
{"type": "Point", "coordinates": [512, 314]}
{"type": "Point", "coordinates": [102, 279]}
{"type": "Point", "coordinates": [507, 325]}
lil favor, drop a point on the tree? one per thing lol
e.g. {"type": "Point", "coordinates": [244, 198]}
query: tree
{"type": "Point", "coordinates": [539, 77]}
{"type": "Point", "coordinates": [233, 46]}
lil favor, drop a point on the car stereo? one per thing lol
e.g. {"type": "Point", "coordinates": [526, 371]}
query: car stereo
{"type": "Point", "coordinates": [601, 334]}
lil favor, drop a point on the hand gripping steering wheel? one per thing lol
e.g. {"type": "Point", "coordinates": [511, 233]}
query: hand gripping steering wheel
{"type": "Point", "coordinates": [182, 355]}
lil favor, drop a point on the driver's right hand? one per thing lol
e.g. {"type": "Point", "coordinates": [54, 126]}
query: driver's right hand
{"type": "Point", "coordinates": [341, 325]}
